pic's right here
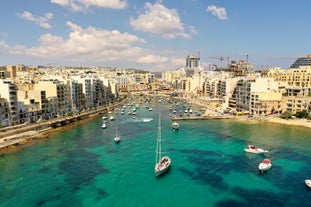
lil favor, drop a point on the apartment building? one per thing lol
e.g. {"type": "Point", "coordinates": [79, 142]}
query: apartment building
{"type": "Point", "coordinates": [252, 91]}
{"type": "Point", "coordinates": [4, 113]}
{"type": "Point", "coordinates": [32, 105]}
{"type": "Point", "coordinates": [8, 91]}
{"type": "Point", "coordinates": [58, 92]}
{"type": "Point", "coordinates": [266, 103]}
{"type": "Point", "coordinates": [77, 96]}
{"type": "Point", "coordinates": [3, 72]}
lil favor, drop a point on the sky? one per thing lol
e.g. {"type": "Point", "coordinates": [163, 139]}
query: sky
{"type": "Point", "coordinates": [154, 35]}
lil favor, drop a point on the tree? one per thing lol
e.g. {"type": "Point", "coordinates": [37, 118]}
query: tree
{"type": "Point", "coordinates": [286, 115]}
{"type": "Point", "coordinates": [302, 114]}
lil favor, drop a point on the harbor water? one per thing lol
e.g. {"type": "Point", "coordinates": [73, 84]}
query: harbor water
{"type": "Point", "coordinates": [84, 167]}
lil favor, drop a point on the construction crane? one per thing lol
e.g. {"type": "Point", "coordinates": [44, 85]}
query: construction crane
{"type": "Point", "coordinates": [221, 58]}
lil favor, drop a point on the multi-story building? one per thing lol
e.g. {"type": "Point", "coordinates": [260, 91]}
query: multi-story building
{"type": "Point", "coordinates": [296, 104]}
{"type": "Point", "coordinates": [241, 68]}
{"type": "Point", "coordinates": [56, 90]}
{"type": "Point", "coordinates": [77, 96]}
{"type": "Point", "coordinates": [3, 72]}
{"type": "Point", "coordinates": [32, 105]}
{"type": "Point", "coordinates": [4, 113]}
{"type": "Point", "coordinates": [250, 91]}
{"type": "Point", "coordinates": [8, 91]}
{"type": "Point", "coordinates": [302, 61]}
{"type": "Point", "coordinates": [12, 71]}
{"type": "Point", "coordinates": [266, 103]}
{"type": "Point", "coordinates": [192, 61]}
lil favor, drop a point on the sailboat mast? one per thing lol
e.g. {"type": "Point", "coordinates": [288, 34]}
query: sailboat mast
{"type": "Point", "coordinates": [158, 149]}
{"type": "Point", "coordinates": [160, 144]}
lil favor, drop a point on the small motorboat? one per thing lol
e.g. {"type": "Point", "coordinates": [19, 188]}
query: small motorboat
{"type": "Point", "coordinates": [265, 165]}
{"type": "Point", "coordinates": [253, 149]}
{"type": "Point", "coordinates": [175, 125]}
{"type": "Point", "coordinates": [117, 139]}
{"type": "Point", "coordinates": [308, 183]}
{"type": "Point", "coordinates": [111, 118]}
{"type": "Point", "coordinates": [104, 126]}
{"type": "Point", "coordinates": [147, 119]}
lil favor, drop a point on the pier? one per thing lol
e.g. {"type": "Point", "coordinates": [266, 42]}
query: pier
{"type": "Point", "coordinates": [175, 118]}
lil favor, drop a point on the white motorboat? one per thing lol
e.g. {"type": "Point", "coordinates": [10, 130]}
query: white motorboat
{"type": "Point", "coordinates": [175, 125]}
{"type": "Point", "coordinates": [308, 183]}
{"type": "Point", "coordinates": [104, 126]}
{"type": "Point", "coordinates": [162, 163]}
{"type": "Point", "coordinates": [104, 117]}
{"type": "Point", "coordinates": [147, 119]}
{"type": "Point", "coordinates": [111, 118]}
{"type": "Point", "coordinates": [117, 139]}
{"type": "Point", "coordinates": [265, 165]}
{"type": "Point", "coordinates": [253, 149]}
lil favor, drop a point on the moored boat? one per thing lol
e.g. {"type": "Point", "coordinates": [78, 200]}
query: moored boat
{"type": "Point", "coordinates": [308, 183]}
{"type": "Point", "coordinates": [253, 149]}
{"type": "Point", "coordinates": [175, 125]}
{"type": "Point", "coordinates": [104, 126]}
{"type": "Point", "coordinates": [117, 138]}
{"type": "Point", "coordinates": [265, 165]}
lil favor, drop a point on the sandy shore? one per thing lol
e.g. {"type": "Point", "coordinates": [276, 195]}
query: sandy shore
{"type": "Point", "coordinates": [269, 119]}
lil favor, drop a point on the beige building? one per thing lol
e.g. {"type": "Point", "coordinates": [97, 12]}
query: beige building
{"type": "Point", "coordinates": [57, 95]}
{"type": "Point", "coordinates": [253, 94]}
{"type": "Point", "coordinates": [266, 103]}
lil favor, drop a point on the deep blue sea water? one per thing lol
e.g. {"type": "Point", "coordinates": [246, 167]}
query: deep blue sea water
{"type": "Point", "coordinates": [84, 167]}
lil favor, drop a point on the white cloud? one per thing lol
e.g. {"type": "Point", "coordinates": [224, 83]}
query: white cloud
{"type": "Point", "coordinates": [42, 21]}
{"type": "Point", "coordinates": [160, 20]}
{"type": "Point", "coordinates": [219, 12]}
{"type": "Point", "coordinates": [92, 46]}
{"type": "Point", "coordinates": [152, 59]}
{"type": "Point", "coordinates": [82, 5]}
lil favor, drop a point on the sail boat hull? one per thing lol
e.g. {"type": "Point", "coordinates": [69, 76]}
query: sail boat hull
{"type": "Point", "coordinates": [163, 165]}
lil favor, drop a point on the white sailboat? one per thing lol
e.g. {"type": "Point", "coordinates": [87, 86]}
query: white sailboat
{"type": "Point", "coordinates": [162, 164]}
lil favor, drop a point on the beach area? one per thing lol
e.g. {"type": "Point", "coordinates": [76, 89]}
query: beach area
{"type": "Point", "coordinates": [13, 139]}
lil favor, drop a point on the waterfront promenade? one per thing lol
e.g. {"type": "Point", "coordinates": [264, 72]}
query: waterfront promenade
{"type": "Point", "coordinates": [10, 137]}
{"type": "Point", "coordinates": [18, 135]}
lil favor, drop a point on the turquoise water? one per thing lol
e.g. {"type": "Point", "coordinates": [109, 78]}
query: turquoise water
{"type": "Point", "coordinates": [84, 167]}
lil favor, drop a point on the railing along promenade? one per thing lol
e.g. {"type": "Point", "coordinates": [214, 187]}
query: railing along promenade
{"type": "Point", "coordinates": [15, 134]}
